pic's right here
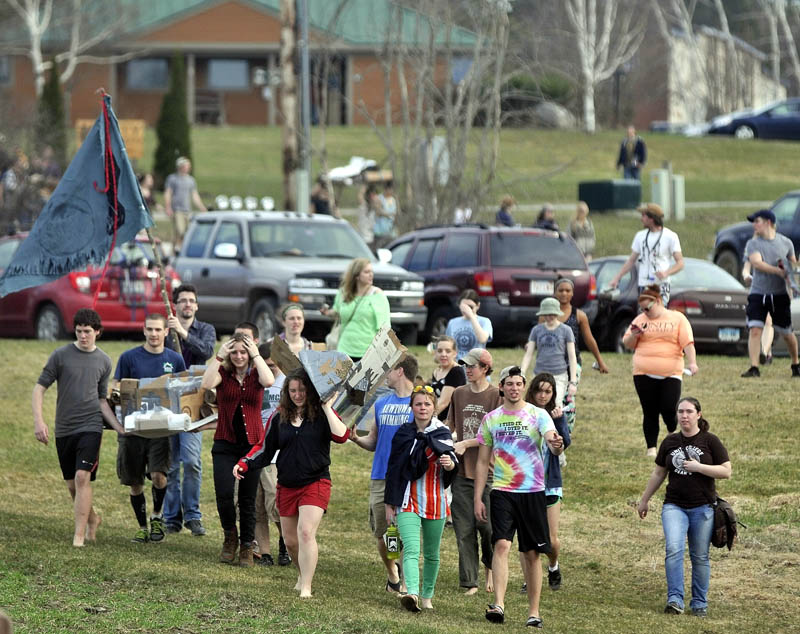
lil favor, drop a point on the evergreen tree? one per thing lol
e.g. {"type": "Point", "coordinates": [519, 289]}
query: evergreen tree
{"type": "Point", "coordinates": [50, 124]}
{"type": "Point", "coordinates": [172, 129]}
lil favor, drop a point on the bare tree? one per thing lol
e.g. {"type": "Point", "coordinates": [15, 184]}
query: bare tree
{"type": "Point", "coordinates": [779, 7]}
{"type": "Point", "coordinates": [606, 37]}
{"type": "Point", "coordinates": [441, 119]}
{"type": "Point", "coordinates": [767, 7]}
{"type": "Point", "coordinates": [40, 15]}
{"type": "Point", "coordinates": [291, 159]}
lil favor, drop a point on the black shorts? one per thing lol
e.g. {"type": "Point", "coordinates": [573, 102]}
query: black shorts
{"type": "Point", "coordinates": [524, 514]}
{"type": "Point", "coordinates": [779, 306]}
{"type": "Point", "coordinates": [79, 452]}
{"type": "Point", "coordinates": [138, 457]}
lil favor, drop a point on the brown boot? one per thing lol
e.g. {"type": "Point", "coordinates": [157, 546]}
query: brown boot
{"type": "Point", "coordinates": [246, 555]}
{"type": "Point", "coordinates": [228, 554]}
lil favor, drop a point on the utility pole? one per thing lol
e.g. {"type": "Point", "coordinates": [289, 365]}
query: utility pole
{"type": "Point", "coordinates": [303, 174]}
{"type": "Point", "coordinates": [288, 104]}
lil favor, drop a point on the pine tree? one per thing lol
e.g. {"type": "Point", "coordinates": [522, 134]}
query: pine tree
{"type": "Point", "coordinates": [172, 129]}
{"type": "Point", "coordinates": [50, 125]}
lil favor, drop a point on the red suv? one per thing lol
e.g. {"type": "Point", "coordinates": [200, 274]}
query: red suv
{"type": "Point", "coordinates": [130, 291]}
{"type": "Point", "coordinates": [511, 268]}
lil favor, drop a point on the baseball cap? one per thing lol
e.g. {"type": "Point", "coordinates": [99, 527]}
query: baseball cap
{"type": "Point", "coordinates": [766, 214]}
{"type": "Point", "coordinates": [475, 356]}
{"type": "Point", "coordinates": [549, 306]}
{"type": "Point", "coordinates": [510, 370]}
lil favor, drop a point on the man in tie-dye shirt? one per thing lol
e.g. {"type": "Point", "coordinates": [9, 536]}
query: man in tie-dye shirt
{"type": "Point", "coordinates": [513, 433]}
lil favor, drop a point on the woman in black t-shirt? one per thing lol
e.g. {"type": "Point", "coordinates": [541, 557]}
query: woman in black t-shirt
{"type": "Point", "coordinates": [692, 458]}
{"type": "Point", "coordinates": [447, 376]}
{"type": "Point", "coordinates": [302, 428]}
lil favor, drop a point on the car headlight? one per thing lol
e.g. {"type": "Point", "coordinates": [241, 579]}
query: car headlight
{"type": "Point", "coordinates": [307, 282]}
{"type": "Point", "coordinates": [418, 287]}
{"type": "Point", "coordinates": [721, 122]}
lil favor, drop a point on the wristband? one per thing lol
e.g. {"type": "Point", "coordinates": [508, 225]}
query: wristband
{"type": "Point", "coordinates": [256, 357]}
{"type": "Point", "coordinates": [220, 359]}
{"type": "Point", "coordinates": [575, 383]}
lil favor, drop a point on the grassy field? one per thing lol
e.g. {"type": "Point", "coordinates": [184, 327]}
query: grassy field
{"type": "Point", "coordinates": [534, 165]}
{"type": "Point", "coordinates": [612, 562]}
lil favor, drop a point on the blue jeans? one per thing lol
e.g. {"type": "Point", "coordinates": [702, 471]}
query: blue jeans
{"type": "Point", "coordinates": [182, 503]}
{"type": "Point", "coordinates": [697, 523]}
{"type": "Point", "coordinates": [630, 173]}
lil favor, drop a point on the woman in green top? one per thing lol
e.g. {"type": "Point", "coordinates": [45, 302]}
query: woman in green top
{"type": "Point", "coordinates": [361, 307]}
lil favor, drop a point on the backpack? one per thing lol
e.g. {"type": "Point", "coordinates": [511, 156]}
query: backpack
{"type": "Point", "coordinates": [725, 530]}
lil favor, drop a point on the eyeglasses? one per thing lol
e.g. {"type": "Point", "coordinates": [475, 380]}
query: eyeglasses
{"type": "Point", "coordinates": [426, 388]}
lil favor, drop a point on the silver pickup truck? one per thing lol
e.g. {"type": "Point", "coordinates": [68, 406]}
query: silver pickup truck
{"type": "Point", "coordinates": [245, 264]}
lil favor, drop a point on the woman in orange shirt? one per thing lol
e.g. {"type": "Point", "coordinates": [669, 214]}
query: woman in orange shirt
{"type": "Point", "coordinates": [659, 338]}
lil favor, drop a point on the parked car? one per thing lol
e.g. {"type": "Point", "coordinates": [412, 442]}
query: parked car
{"type": "Point", "coordinates": [130, 291]}
{"type": "Point", "coordinates": [245, 264]}
{"type": "Point", "coordinates": [778, 120]}
{"type": "Point", "coordinates": [730, 242]}
{"type": "Point", "coordinates": [713, 301]}
{"type": "Point", "coordinates": [511, 268]}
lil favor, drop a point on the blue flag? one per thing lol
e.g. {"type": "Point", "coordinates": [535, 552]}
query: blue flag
{"type": "Point", "coordinates": [97, 197]}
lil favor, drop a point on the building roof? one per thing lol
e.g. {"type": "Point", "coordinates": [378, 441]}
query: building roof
{"type": "Point", "coordinates": [360, 24]}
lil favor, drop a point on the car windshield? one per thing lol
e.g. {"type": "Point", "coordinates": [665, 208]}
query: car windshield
{"type": "Point", "coordinates": [529, 250]}
{"type": "Point", "coordinates": [308, 239]}
{"type": "Point", "coordinates": [699, 274]}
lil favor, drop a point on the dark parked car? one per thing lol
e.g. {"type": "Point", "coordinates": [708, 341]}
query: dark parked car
{"type": "Point", "coordinates": [130, 291]}
{"type": "Point", "coordinates": [779, 120]}
{"type": "Point", "coordinates": [713, 302]}
{"type": "Point", "coordinates": [247, 263]}
{"type": "Point", "coordinates": [729, 245]}
{"type": "Point", "coordinates": [511, 268]}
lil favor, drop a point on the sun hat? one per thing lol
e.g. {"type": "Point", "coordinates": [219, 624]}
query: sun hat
{"type": "Point", "coordinates": [549, 306]}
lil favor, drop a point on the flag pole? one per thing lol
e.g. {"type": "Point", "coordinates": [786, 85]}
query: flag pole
{"type": "Point", "coordinates": [162, 280]}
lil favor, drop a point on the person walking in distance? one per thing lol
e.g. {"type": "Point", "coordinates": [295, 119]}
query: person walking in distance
{"type": "Point", "coordinates": [632, 155]}
{"type": "Point", "coordinates": [197, 339]}
{"type": "Point", "coordinates": [180, 193]}
{"type": "Point", "coordinates": [657, 251]}
{"type": "Point", "coordinates": [82, 371]}
{"type": "Point", "coordinates": [772, 259]}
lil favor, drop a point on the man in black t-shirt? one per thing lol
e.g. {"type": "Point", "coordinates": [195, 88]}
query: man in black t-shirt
{"type": "Point", "coordinates": [82, 371]}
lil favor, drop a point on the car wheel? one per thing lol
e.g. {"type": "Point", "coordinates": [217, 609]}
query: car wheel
{"type": "Point", "coordinates": [49, 325]}
{"type": "Point", "coordinates": [727, 260]}
{"type": "Point", "coordinates": [437, 322]}
{"type": "Point", "coordinates": [263, 316]}
{"type": "Point", "coordinates": [744, 132]}
{"type": "Point", "coordinates": [619, 333]}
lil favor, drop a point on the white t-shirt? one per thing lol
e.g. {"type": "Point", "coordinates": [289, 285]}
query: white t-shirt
{"type": "Point", "coordinates": [655, 249]}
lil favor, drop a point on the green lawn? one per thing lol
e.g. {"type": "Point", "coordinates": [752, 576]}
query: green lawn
{"type": "Point", "coordinates": [534, 165]}
{"type": "Point", "coordinates": [612, 562]}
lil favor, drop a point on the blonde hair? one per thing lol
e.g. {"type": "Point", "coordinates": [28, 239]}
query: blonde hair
{"type": "Point", "coordinates": [507, 201]}
{"type": "Point", "coordinates": [349, 285]}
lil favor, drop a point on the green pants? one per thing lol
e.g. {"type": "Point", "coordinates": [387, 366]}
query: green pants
{"type": "Point", "coordinates": [409, 525]}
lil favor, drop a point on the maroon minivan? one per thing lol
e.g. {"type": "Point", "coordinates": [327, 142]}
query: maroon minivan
{"type": "Point", "coordinates": [511, 268]}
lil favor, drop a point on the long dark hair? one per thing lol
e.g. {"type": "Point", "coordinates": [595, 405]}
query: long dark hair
{"type": "Point", "coordinates": [702, 423]}
{"type": "Point", "coordinates": [542, 377]}
{"type": "Point", "coordinates": [313, 406]}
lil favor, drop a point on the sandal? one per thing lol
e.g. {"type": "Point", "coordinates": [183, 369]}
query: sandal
{"type": "Point", "coordinates": [534, 621]}
{"type": "Point", "coordinates": [495, 613]}
{"type": "Point", "coordinates": [410, 602]}
{"type": "Point", "coordinates": [394, 587]}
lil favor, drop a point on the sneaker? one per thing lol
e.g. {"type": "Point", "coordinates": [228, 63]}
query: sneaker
{"type": "Point", "coordinates": [753, 371]}
{"type": "Point", "coordinates": [795, 370]}
{"type": "Point", "coordinates": [673, 608]}
{"type": "Point", "coordinates": [700, 612]}
{"type": "Point", "coordinates": [141, 537]}
{"type": "Point", "coordinates": [651, 452]}
{"type": "Point", "coordinates": [171, 529]}
{"type": "Point", "coordinates": [762, 358]}
{"type": "Point", "coordinates": [197, 528]}
{"type": "Point", "coordinates": [554, 578]}
{"type": "Point", "coordinates": [768, 360]}
{"type": "Point", "coordinates": [157, 533]}
{"type": "Point", "coordinates": [265, 560]}
{"type": "Point", "coordinates": [524, 588]}
{"type": "Point", "coordinates": [284, 558]}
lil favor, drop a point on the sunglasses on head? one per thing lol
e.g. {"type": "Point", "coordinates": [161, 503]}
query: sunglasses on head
{"type": "Point", "coordinates": [426, 388]}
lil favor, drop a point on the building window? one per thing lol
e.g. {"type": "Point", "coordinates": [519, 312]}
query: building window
{"type": "Point", "coordinates": [228, 74]}
{"type": "Point", "coordinates": [147, 74]}
{"type": "Point", "coordinates": [5, 70]}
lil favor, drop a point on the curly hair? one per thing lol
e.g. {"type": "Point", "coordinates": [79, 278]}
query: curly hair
{"type": "Point", "coordinates": [313, 406]}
